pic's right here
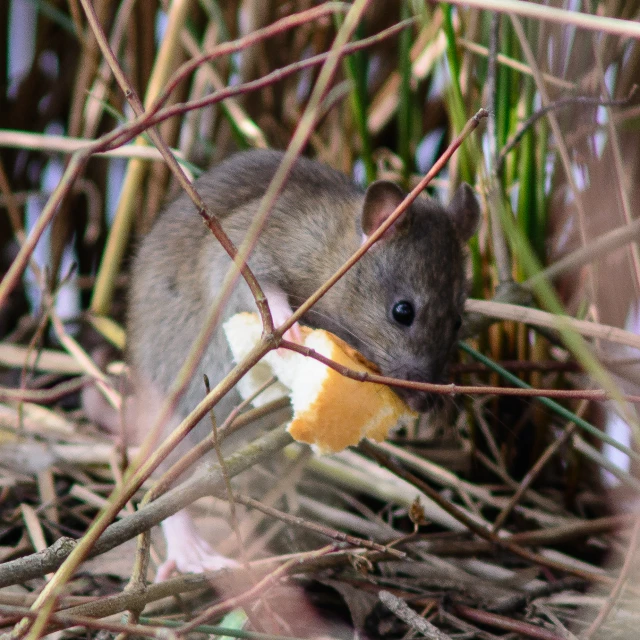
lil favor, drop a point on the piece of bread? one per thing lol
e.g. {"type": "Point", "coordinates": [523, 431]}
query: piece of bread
{"type": "Point", "coordinates": [330, 411]}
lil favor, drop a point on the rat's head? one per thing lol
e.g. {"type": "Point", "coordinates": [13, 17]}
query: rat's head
{"type": "Point", "coordinates": [407, 292]}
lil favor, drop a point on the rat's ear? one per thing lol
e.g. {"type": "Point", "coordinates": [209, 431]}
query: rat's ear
{"type": "Point", "coordinates": [380, 201]}
{"type": "Point", "coordinates": [465, 211]}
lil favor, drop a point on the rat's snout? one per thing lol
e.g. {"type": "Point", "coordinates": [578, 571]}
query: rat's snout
{"type": "Point", "coordinates": [422, 401]}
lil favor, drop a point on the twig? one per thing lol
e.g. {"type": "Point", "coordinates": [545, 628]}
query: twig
{"type": "Point", "coordinates": [538, 537]}
{"type": "Point", "coordinates": [65, 620]}
{"type": "Point", "coordinates": [512, 63]}
{"type": "Point", "coordinates": [564, 17]}
{"type": "Point", "coordinates": [589, 101]}
{"type": "Point", "coordinates": [50, 559]}
{"type": "Point", "coordinates": [233, 516]}
{"type": "Point", "coordinates": [204, 446]}
{"type": "Point", "coordinates": [13, 355]}
{"type": "Point", "coordinates": [531, 475]}
{"type": "Point", "coordinates": [45, 396]}
{"type": "Point", "coordinates": [126, 133]}
{"type": "Point", "coordinates": [401, 609]}
{"type": "Point", "coordinates": [137, 126]}
{"type": "Point", "coordinates": [67, 144]}
{"type": "Point", "coordinates": [257, 589]}
{"type": "Point", "coordinates": [551, 404]}
{"type": "Point", "coordinates": [243, 43]}
{"type": "Point", "coordinates": [211, 220]}
{"type": "Point", "coordinates": [536, 317]}
{"type": "Point", "coordinates": [617, 588]}
{"type": "Point", "coordinates": [84, 360]}
{"type": "Point", "coordinates": [602, 461]}
{"type": "Point", "coordinates": [589, 253]}
{"type": "Point", "coordinates": [471, 125]}
{"type": "Point", "coordinates": [334, 534]}
{"type": "Point", "coordinates": [376, 453]}
{"type": "Point", "coordinates": [454, 389]}
{"type": "Point", "coordinates": [508, 624]}
{"type": "Point", "coordinates": [520, 600]}
{"type": "Point", "coordinates": [110, 605]}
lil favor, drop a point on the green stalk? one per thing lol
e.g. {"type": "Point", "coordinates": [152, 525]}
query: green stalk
{"type": "Point", "coordinates": [356, 68]}
{"type": "Point", "coordinates": [542, 150]}
{"type": "Point", "coordinates": [405, 99]}
{"type": "Point", "coordinates": [457, 109]}
{"type": "Point", "coordinates": [456, 101]}
{"type": "Point", "coordinates": [527, 201]}
{"type": "Point", "coordinates": [521, 248]}
{"type": "Point", "coordinates": [550, 404]}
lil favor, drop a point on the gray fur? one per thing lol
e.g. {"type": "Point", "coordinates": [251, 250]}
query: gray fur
{"type": "Point", "coordinates": [314, 227]}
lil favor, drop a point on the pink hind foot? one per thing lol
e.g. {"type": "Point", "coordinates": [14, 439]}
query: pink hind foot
{"type": "Point", "coordinates": [187, 551]}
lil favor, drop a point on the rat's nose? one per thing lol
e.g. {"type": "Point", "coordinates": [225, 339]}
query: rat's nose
{"type": "Point", "coordinates": [426, 373]}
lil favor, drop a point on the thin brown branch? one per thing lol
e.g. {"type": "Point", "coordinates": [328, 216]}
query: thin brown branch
{"type": "Point", "coordinates": [210, 220]}
{"type": "Point", "coordinates": [58, 621]}
{"type": "Point", "coordinates": [334, 534]}
{"type": "Point", "coordinates": [38, 564]}
{"type": "Point", "coordinates": [454, 389]}
{"type": "Point", "coordinates": [303, 564]}
{"type": "Point", "coordinates": [620, 582]}
{"type": "Point", "coordinates": [126, 133]}
{"type": "Point", "coordinates": [562, 534]}
{"type": "Point", "coordinates": [137, 126]}
{"type": "Point", "coordinates": [259, 588]}
{"type": "Point", "coordinates": [228, 48]}
{"type": "Point", "coordinates": [532, 474]}
{"type": "Point", "coordinates": [586, 101]}
{"type": "Point", "coordinates": [45, 396]}
{"type": "Point", "coordinates": [471, 125]}
{"type": "Point", "coordinates": [507, 624]}
{"type": "Point", "coordinates": [401, 609]}
{"type": "Point", "coordinates": [377, 454]}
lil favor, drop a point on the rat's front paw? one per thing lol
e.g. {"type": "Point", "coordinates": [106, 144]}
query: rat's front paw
{"type": "Point", "coordinates": [187, 552]}
{"type": "Point", "coordinates": [198, 557]}
{"type": "Point", "coordinates": [280, 312]}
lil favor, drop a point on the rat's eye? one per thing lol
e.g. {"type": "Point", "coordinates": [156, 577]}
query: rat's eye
{"type": "Point", "coordinates": [403, 313]}
{"type": "Point", "coordinates": [457, 324]}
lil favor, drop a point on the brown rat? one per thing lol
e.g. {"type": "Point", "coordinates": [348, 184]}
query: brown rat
{"type": "Point", "coordinates": [400, 305]}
